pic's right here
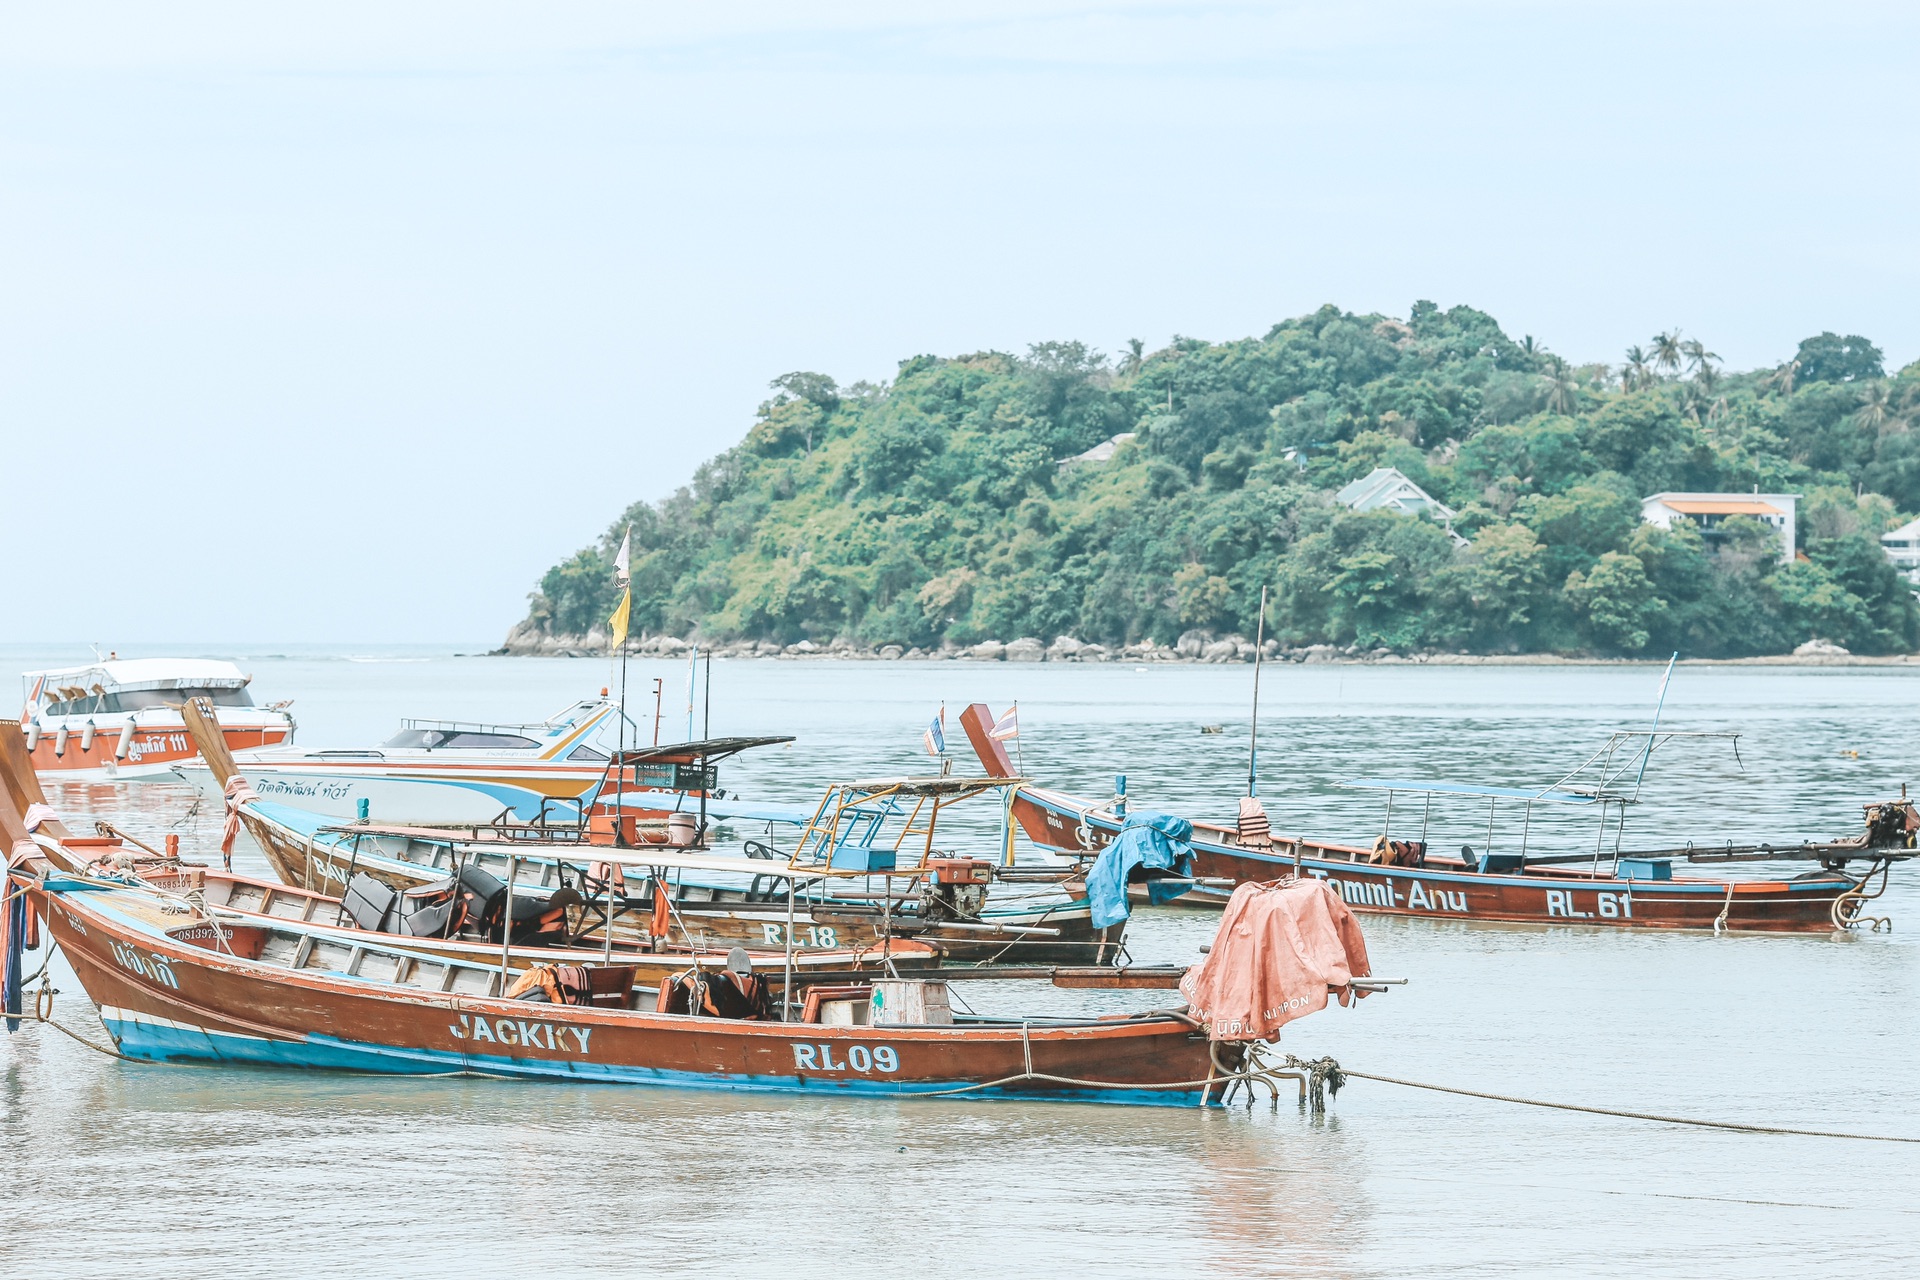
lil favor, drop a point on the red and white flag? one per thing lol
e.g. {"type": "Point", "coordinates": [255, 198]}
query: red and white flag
{"type": "Point", "coordinates": [1007, 726]}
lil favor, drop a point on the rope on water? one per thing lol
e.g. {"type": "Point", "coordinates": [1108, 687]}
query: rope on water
{"type": "Point", "coordinates": [1734, 1126]}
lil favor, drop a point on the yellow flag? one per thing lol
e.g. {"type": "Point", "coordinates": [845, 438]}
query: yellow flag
{"type": "Point", "coordinates": [620, 617]}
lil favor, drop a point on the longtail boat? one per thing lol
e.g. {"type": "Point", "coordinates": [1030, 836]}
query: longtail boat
{"type": "Point", "coordinates": [348, 921]}
{"type": "Point", "coordinates": [1394, 876]}
{"type": "Point", "coordinates": [714, 900]}
{"type": "Point", "coordinates": [177, 980]}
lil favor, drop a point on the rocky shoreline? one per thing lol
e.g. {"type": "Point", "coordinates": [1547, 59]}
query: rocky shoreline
{"type": "Point", "coordinates": [1198, 647]}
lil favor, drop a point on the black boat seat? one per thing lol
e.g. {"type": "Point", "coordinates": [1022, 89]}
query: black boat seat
{"type": "Point", "coordinates": [368, 903]}
{"type": "Point", "coordinates": [1468, 856]}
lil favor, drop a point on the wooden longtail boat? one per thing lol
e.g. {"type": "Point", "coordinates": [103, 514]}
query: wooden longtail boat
{"type": "Point", "coordinates": [740, 901]}
{"type": "Point", "coordinates": [177, 981]}
{"type": "Point", "coordinates": [1614, 890]}
{"type": "Point", "coordinates": [264, 903]}
{"type": "Point", "coordinates": [173, 989]}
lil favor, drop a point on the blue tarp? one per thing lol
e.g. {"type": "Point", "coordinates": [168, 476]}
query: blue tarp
{"type": "Point", "coordinates": [1147, 842]}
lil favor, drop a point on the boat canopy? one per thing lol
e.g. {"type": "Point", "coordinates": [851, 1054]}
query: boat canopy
{"type": "Point", "coordinates": [934, 786]}
{"type": "Point", "coordinates": [707, 750]}
{"type": "Point", "coordinates": [1544, 796]}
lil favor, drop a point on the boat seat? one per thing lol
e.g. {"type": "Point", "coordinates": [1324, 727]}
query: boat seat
{"type": "Point", "coordinates": [368, 903]}
{"type": "Point", "coordinates": [1468, 856]}
{"type": "Point", "coordinates": [427, 911]}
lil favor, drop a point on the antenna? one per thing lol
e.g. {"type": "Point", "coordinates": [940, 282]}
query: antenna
{"type": "Point", "coordinates": [1253, 734]}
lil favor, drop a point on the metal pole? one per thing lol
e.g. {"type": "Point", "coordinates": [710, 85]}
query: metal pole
{"type": "Point", "coordinates": [608, 955]}
{"type": "Point", "coordinates": [506, 923]}
{"type": "Point", "coordinates": [706, 731]}
{"type": "Point", "coordinates": [1253, 732]}
{"type": "Point", "coordinates": [1490, 803]}
{"type": "Point", "coordinates": [658, 685]}
{"type": "Point", "coordinates": [1657, 708]}
{"type": "Point", "coordinates": [786, 985]}
{"type": "Point", "coordinates": [1526, 824]}
{"type": "Point", "coordinates": [620, 769]}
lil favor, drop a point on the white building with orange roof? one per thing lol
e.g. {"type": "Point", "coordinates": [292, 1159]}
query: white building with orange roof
{"type": "Point", "coordinates": [1709, 509]}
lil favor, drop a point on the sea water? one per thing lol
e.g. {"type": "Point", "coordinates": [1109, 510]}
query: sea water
{"type": "Point", "coordinates": [116, 1169]}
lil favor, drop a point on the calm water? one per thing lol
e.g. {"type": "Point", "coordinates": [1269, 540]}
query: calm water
{"type": "Point", "coordinates": [170, 1171]}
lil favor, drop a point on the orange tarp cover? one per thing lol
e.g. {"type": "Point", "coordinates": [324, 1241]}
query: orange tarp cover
{"type": "Point", "coordinates": [1281, 946]}
{"type": "Point", "coordinates": [1694, 507]}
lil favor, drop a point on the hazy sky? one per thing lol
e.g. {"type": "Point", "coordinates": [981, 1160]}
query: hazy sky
{"type": "Point", "coordinates": [341, 322]}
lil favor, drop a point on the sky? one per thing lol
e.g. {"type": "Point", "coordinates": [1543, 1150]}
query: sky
{"type": "Point", "coordinates": [340, 323]}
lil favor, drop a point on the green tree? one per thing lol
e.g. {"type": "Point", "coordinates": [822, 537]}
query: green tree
{"type": "Point", "coordinates": [1617, 600]}
{"type": "Point", "coordinates": [1827, 357]}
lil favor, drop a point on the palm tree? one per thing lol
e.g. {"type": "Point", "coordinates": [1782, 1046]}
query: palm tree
{"type": "Point", "coordinates": [1875, 411]}
{"type": "Point", "coordinates": [1667, 352]}
{"type": "Point", "coordinates": [1706, 375]}
{"type": "Point", "coordinates": [1698, 357]}
{"type": "Point", "coordinates": [1561, 386]}
{"type": "Point", "coordinates": [1636, 372]}
{"type": "Point", "coordinates": [1136, 356]}
{"type": "Point", "coordinates": [1782, 379]}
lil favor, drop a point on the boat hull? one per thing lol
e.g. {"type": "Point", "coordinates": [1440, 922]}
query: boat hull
{"type": "Point", "coordinates": [157, 746]}
{"type": "Point", "coordinates": [1558, 896]}
{"type": "Point", "coordinates": [170, 1001]}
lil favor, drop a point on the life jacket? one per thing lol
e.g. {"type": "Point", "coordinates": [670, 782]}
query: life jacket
{"type": "Point", "coordinates": [743, 997]}
{"type": "Point", "coordinates": [554, 983]}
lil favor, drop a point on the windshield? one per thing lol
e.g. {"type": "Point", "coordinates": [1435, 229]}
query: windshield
{"type": "Point", "coordinates": [145, 700]}
{"type": "Point", "coordinates": [459, 740]}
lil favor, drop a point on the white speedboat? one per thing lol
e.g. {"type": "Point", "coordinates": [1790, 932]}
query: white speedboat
{"type": "Point", "coordinates": [120, 718]}
{"type": "Point", "coordinates": [442, 772]}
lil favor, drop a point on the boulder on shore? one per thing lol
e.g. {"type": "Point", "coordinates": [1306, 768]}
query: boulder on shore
{"type": "Point", "coordinates": [1026, 649]}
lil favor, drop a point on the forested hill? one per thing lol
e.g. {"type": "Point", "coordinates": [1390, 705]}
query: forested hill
{"type": "Point", "coordinates": [935, 508]}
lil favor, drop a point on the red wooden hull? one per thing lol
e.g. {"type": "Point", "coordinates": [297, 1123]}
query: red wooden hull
{"type": "Point", "coordinates": [1557, 895]}
{"type": "Point", "coordinates": [166, 999]}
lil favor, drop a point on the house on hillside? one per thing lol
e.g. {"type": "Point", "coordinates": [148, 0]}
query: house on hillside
{"type": "Point", "coordinates": [1102, 452]}
{"type": "Point", "coordinates": [1903, 548]}
{"type": "Point", "coordinates": [1709, 510]}
{"type": "Point", "coordinates": [1387, 488]}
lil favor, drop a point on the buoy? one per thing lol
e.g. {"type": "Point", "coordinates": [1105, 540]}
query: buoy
{"type": "Point", "coordinates": [33, 735]}
{"type": "Point", "coordinates": [86, 736]}
{"type": "Point", "coordinates": [126, 741]}
{"type": "Point", "coordinates": [60, 742]}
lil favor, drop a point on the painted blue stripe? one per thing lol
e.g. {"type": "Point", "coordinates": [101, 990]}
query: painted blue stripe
{"type": "Point", "coordinates": [158, 1043]}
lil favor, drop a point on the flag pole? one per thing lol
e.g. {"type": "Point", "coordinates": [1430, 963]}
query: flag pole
{"type": "Point", "coordinates": [1253, 734]}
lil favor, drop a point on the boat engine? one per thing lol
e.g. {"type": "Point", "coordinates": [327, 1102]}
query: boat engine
{"type": "Point", "coordinates": [954, 888]}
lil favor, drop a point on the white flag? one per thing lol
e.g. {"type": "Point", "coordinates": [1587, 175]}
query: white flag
{"type": "Point", "coordinates": [621, 574]}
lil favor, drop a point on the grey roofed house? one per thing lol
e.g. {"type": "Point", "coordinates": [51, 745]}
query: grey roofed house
{"type": "Point", "coordinates": [1388, 487]}
{"type": "Point", "coordinates": [1903, 548]}
{"type": "Point", "coordinates": [1102, 452]}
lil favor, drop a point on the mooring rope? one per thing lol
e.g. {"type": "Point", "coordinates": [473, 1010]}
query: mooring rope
{"type": "Point", "coordinates": [1732, 1125]}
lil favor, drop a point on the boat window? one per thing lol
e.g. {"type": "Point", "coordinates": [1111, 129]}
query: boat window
{"type": "Point", "coordinates": [143, 699]}
{"type": "Point", "coordinates": [92, 704]}
{"type": "Point", "coordinates": [459, 740]}
{"type": "Point", "coordinates": [584, 752]}
{"type": "Point", "coordinates": [489, 741]}
{"type": "Point", "coordinates": [146, 700]}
